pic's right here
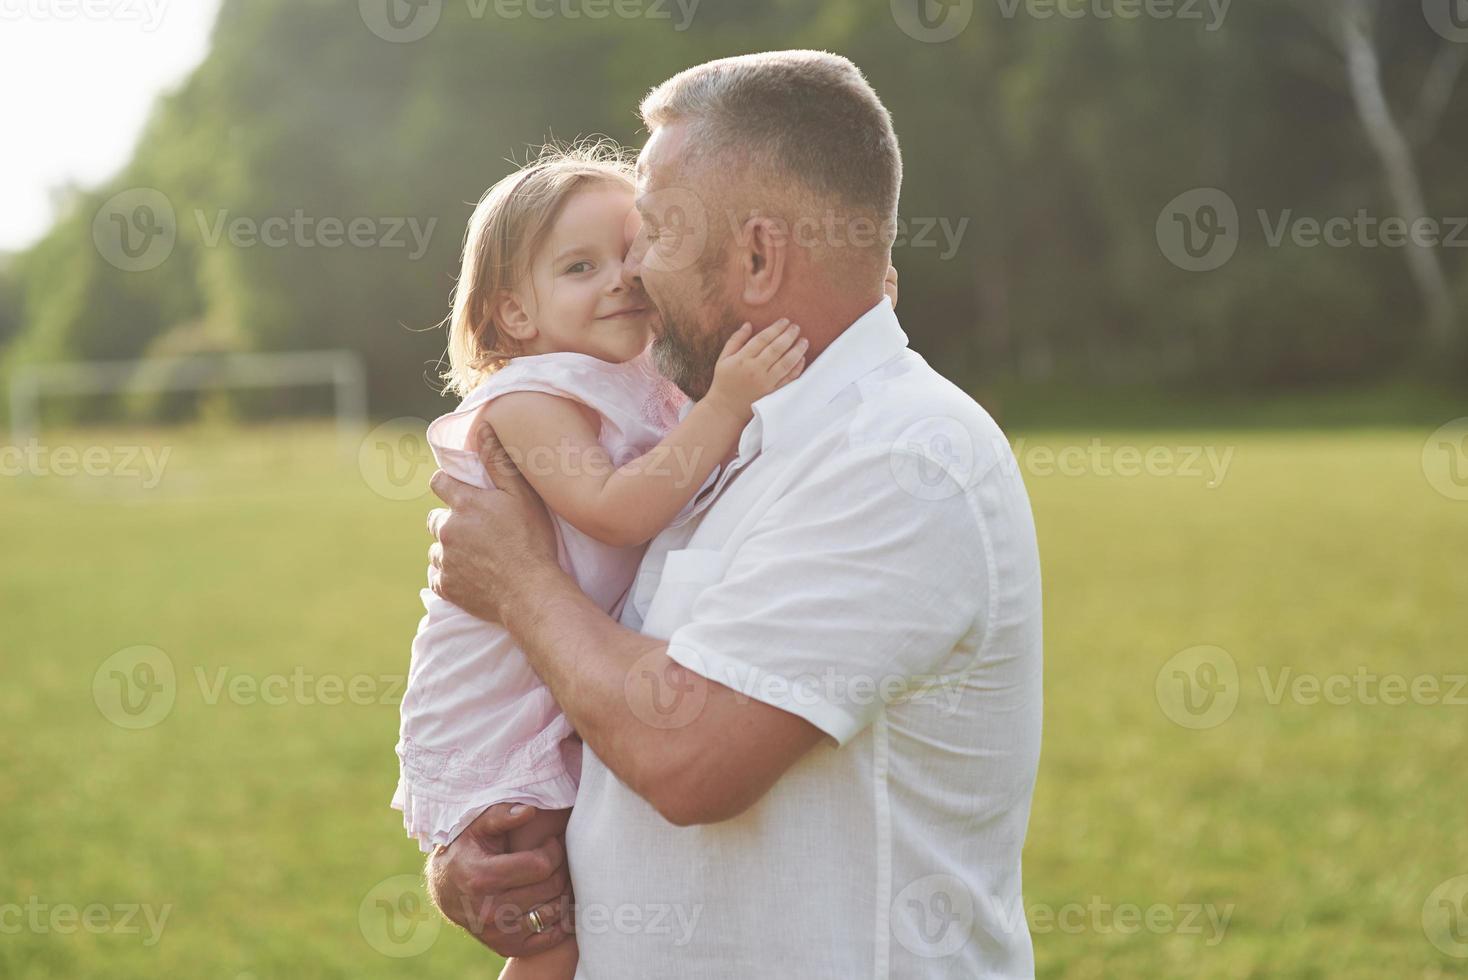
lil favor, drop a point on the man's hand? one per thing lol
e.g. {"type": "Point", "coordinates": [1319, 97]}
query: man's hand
{"type": "Point", "coordinates": [488, 541]}
{"type": "Point", "coordinates": [489, 893]}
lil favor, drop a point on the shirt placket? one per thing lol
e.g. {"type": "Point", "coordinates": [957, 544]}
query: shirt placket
{"type": "Point", "coordinates": [714, 485]}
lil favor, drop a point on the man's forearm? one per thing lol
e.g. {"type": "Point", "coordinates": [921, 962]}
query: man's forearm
{"type": "Point", "coordinates": [696, 750]}
{"type": "Point", "coordinates": [586, 659]}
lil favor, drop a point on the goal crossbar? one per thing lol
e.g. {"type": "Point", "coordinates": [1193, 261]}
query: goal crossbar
{"type": "Point", "coordinates": [343, 370]}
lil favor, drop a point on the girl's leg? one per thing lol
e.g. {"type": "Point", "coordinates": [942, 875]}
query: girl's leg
{"type": "Point", "coordinates": [559, 962]}
{"type": "Point", "coordinates": [556, 963]}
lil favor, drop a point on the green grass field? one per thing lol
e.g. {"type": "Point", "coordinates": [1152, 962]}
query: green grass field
{"type": "Point", "coordinates": [244, 833]}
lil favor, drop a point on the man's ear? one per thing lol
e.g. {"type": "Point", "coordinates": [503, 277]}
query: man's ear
{"type": "Point", "coordinates": [511, 318]}
{"type": "Point", "coordinates": [764, 254]}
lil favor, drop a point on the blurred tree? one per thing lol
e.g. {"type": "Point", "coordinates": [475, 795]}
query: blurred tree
{"type": "Point", "coordinates": [1356, 20]}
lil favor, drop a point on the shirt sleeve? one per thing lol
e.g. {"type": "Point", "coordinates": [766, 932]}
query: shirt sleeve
{"type": "Point", "coordinates": [850, 591]}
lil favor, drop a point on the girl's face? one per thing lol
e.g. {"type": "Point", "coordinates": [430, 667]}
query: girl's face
{"type": "Point", "coordinates": [577, 300]}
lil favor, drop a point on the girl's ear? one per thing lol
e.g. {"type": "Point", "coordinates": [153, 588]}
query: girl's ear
{"type": "Point", "coordinates": [511, 317]}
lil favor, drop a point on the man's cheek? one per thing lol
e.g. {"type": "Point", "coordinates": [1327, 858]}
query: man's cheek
{"type": "Point", "coordinates": [652, 288]}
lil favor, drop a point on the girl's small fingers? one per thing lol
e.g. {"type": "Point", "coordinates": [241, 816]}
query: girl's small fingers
{"type": "Point", "coordinates": [781, 337]}
{"type": "Point", "coordinates": [778, 348]}
{"type": "Point", "coordinates": [763, 339]}
{"type": "Point", "coordinates": [792, 357]}
{"type": "Point", "coordinates": [737, 338]}
{"type": "Point", "coordinates": [795, 372]}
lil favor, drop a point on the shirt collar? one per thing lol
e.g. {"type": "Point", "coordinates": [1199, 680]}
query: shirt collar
{"type": "Point", "coordinates": [871, 341]}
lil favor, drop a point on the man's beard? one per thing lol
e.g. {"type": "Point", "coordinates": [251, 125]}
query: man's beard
{"type": "Point", "coordinates": [685, 353]}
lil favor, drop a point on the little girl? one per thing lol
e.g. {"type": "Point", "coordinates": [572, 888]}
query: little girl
{"type": "Point", "coordinates": [548, 346]}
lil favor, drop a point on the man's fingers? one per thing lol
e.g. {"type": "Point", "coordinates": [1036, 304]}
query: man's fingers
{"type": "Point", "coordinates": [500, 873]}
{"type": "Point", "coordinates": [507, 912]}
{"type": "Point", "coordinates": [550, 914]}
{"type": "Point", "coordinates": [497, 462]}
{"type": "Point", "coordinates": [497, 820]}
{"type": "Point", "coordinates": [530, 896]}
{"type": "Point", "coordinates": [447, 489]}
{"type": "Point", "coordinates": [737, 339]}
{"type": "Point", "coordinates": [518, 903]}
{"type": "Point", "coordinates": [436, 518]}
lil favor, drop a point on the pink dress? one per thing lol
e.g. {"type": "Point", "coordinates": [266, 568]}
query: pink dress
{"type": "Point", "coordinates": [478, 727]}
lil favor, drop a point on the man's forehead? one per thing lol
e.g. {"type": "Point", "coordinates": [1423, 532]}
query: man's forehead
{"type": "Point", "coordinates": [660, 155]}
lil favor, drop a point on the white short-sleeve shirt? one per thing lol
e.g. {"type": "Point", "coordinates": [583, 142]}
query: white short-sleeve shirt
{"type": "Point", "coordinates": [867, 562]}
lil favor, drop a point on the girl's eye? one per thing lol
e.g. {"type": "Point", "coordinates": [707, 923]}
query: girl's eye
{"type": "Point", "coordinates": [577, 266]}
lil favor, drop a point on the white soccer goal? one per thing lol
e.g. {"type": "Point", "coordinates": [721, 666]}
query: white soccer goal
{"type": "Point", "coordinates": [341, 369]}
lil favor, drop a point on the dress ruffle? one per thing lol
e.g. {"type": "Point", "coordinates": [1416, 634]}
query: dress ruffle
{"type": "Point", "coordinates": [435, 821]}
{"type": "Point", "coordinates": [440, 796]}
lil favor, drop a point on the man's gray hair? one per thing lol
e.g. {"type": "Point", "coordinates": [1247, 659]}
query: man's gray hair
{"type": "Point", "coordinates": [804, 120]}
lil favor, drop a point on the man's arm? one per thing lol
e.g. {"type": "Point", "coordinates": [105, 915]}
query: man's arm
{"type": "Point", "coordinates": [696, 750]}
{"type": "Point", "coordinates": [708, 758]}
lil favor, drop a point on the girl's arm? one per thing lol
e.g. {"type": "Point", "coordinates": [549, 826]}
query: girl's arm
{"type": "Point", "coordinates": [553, 442]}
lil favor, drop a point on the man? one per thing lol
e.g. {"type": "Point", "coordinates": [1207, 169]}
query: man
{"type": "Point", "coordinates": [811, 742]}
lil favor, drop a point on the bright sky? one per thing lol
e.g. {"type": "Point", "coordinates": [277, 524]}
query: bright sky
{"type": "Point", "coordinates": [78, 78]}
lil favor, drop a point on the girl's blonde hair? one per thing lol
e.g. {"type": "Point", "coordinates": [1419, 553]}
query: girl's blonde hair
{"type": "Point", "coordinates": [507, 228]}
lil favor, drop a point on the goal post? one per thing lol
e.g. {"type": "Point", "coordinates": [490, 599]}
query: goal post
{"type": "Point", "coordinates": [343, 370]}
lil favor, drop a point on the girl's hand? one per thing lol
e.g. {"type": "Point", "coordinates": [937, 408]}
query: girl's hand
{"type": "Point", "coordinates": [752, 367]}
{"type": "Point", "coordinates": [889, 285]}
